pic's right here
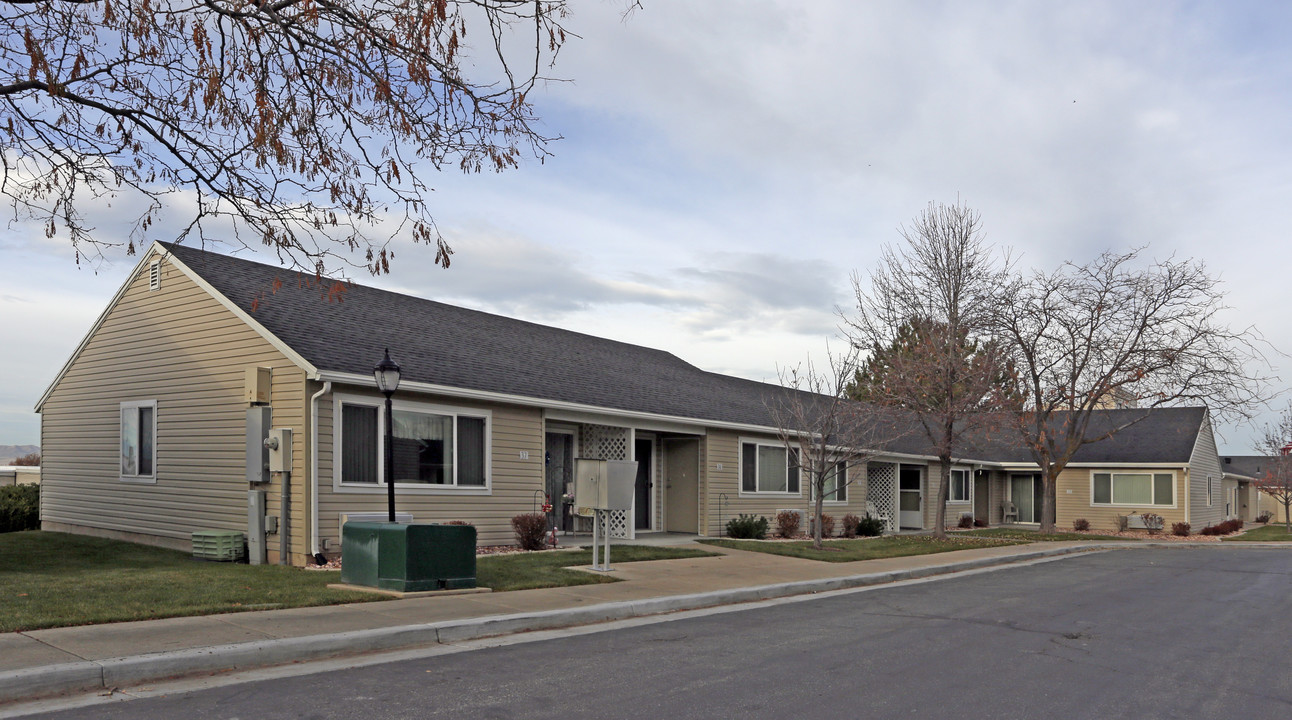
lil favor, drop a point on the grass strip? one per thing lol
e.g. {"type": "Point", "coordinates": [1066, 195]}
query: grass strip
{"type": "Point", "coordinates": [1268, 533]}
{"type": "Point", "coordinates": [1036, 536]}
{"type": "Point", "coordinates": [889, 546]}
{"type": "Point", "coordinates": [525, 571]}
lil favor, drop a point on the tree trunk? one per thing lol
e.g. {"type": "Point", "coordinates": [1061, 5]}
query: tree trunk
{"type": "Point", "coordinates": [1049, 496]}
{"type": "Point", "coordinates": [819, 484]}
{"type": "Point", "coordinates": [944, 493]}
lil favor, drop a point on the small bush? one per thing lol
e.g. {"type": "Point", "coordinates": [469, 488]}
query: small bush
{"type": "Point", "coordinates": [966, 522]}
{"type": "Point", "coordinates": [850, 523]}
{"type": "Point", "coordinates": [1181, 529]}
{"type": "Point", "coordinates": [747, 527]}
{"type": "Point", "coordinates": [980, 522]}
{"type": "Point", "coordinates": [1222, 528]}
{"type": "Point", "coordinates": [531, 530]}
{"type": "Point", "coordinates": [827, 526]}
{"type": "Point", "coordinates": [870, 526]}
{"type": "Point", "coordinates": [1153, 523]}
{"type": "Point", "coordinates": [1264, 517]}
{"type": "Point", "coordinates": [458, 522]}
{"type": "Point", "coordinates": [787, 523]}
{"type": "Point", "coordinates": [19, 508]}
{"type": "Point", "coordinates": [1081, 524]}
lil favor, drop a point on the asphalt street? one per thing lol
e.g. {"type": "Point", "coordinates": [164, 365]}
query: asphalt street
{"type": "Point", "coordinates": [1146, 633]}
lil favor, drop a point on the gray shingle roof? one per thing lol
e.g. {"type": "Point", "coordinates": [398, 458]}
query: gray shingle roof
{"type": "Point", "coordinates": [447, 345]}
{"type": "Point", "coordinates": [1252, 466]}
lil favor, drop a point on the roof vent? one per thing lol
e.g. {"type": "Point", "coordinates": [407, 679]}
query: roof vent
{"type": "Point", "coordinates": [1228, 460]}
{"type": "Point", "coordinates": [154, 275]}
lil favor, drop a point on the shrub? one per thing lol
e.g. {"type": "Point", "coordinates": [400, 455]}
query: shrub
{"type": "Point", "coordinates": [966, 522]}
{"type": "Point", "coordinates": [1081, 524]}
{"type": "Point", "coordinates": [1122, 523]}
{"type": "Point", "coordinates": [870, 526]}
{"type": "Point", "coordinates": [19, 508]}
{"type": "Point", "coordinates": [1181, 529]}
{"type": "Point", "coordinates": [850, 523]}
{"type": "Point", "coordinates": [1153, 523]}
{"type": "Point", "coordinates": [827, 526]}
{"type": "Point", "coordinates": [1222, 528]}
{"type": "Point", "coordinates": [787, 523]}
{"type": "Point", "coordinates": [531, 530]}
{"type": "Point", "coordinates": [1264, 517]}
{"type": "Point", "coordinates": [458, 522]}
{"type": "Point", "coordinates": [979, 522]}
{"type": "Point", "coordinates": [747, 527]}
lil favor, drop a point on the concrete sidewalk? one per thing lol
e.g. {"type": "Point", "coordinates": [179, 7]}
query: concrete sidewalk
{"type": "Point", "coordinates": [78, 659]}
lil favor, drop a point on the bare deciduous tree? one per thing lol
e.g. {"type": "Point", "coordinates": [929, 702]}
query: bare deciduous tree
{"type": "Point", "coordinates": [823, 431]}
{"type": "Point", "coordinates": [30, 460]}
{"type": "Point", "coordinates": [1276, 443]}
{"type": "Point", "coordinates": [923, 316]}
{"type": "Point", "coordinates": [1084, 335]}
{"type": "Point", "coordinates": [299, 124]}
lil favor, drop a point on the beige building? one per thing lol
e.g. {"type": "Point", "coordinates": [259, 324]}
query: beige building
{"type": "Point", "coordinates": [145, 430]}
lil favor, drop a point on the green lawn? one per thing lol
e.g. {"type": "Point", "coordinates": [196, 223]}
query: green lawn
{"type": "Point", "coordinates": [862, 548]}
{"type": "Point", "coordinates": [1274, 532]}
{"type": "Point", "coordinates": [524, 571]}
{"type": "Point", "coordinates": [1034, 536]}
{"type": "Point", "coordinates": [52, 579]}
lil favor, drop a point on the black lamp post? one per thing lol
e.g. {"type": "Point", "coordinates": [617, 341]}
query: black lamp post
{"type": "Point", "coordinates": [387, 375]}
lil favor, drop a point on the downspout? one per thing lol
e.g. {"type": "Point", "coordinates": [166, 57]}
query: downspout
{"type": "Point", "coordinates": [314, 466]}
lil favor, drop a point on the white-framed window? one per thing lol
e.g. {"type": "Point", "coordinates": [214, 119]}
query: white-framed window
{"type": "Point", "coordinates": [833, 490]}
{"type": "Point", "coordinates": [767, 468]}
{"type": "Point", "coordinates": [961, 485]}
{"type": "Point", "coordinates": [139, 441]}
{"type": "Point", "coordinates": [1132, 489]}
{"type": "Point", "coordinates": [434, 447]}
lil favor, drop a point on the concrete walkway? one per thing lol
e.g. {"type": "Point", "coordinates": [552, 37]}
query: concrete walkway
{"type": "Point", "coordinates": [77, 659]}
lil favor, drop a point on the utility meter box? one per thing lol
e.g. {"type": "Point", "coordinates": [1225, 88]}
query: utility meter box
{"type": "Point", "coordinates": [257, 385]}
{"type": "Point", "coordinates": [280, 450]}
{"type": "Point", "coordinates": [604, 484]}
{"type": "Point", "coordinates": [258, 418]}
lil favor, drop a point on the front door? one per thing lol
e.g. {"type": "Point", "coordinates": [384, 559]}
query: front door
{"type": "Point", "coordinates": [981, 497]}
{"type": "Point", "coordinates": [910, 496]}
{"type": "Point", "coordinates": [1025, 493]}
{"type": "Point", "coordinates": [682, 486]}
{"type": "Point", "coordinates": [643, 452]}
{"type": "Point", "coordinates": [558, 464]}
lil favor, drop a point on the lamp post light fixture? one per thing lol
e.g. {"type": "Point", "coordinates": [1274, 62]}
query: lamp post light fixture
{"type": "Point", "coordinates": [387, 376]}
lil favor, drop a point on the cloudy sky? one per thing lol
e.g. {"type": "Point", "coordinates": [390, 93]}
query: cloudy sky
{"type": "Point", "coordinates": [726, 164]}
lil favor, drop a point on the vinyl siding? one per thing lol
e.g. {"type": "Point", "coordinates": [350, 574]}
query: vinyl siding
{"type": "Point", "coordinates": [513, 480]}
{"type": "Point", "coordinates": [722, 447]}
{"type": "Point", "coordinates": [1073, 499]}
{"type": "Point", "coordinates": [180, 347]}
{"type": "Point", "coordinates": [1204, 464]}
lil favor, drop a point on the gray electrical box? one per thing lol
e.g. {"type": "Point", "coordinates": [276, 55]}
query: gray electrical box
{"type": "Point", "coordinates": [257, 454]}
{"type": "Point", "coordinates": [604, 484]}
{"type": "Point", "coordinates": [280, 450]}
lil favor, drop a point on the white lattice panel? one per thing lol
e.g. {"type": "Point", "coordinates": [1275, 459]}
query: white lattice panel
{"type": "Point", "coordinates": [605, 442]}
{"type": "Point", "coordinates": [881, 489]}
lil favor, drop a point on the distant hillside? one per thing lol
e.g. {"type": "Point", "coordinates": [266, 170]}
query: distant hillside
{"type": "Point", "coordinates": [9, 452]}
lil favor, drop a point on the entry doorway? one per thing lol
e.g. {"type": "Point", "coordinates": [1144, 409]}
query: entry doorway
{"type": "Point", "coordinates": [644, 454]}
{"type": "Point", "coordinates": [981, 497]}
{"type": "Point", "coordinates": [910, 500]}
{"type": "Point", "coordinates": [1025, 491]}
{"type": "Point", "coordinates": [682, 486]}
{"type": "Point", "coordinates": [558, 466]}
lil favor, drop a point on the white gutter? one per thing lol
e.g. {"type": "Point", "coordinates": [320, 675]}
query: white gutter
{"type": "Point", "coordinates": [314, 465]}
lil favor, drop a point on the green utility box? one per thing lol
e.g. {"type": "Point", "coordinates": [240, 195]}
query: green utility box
{"type": "Point", "coordinates": [218, 545]}
{"type": "Point", "coordinates": [408, 557]}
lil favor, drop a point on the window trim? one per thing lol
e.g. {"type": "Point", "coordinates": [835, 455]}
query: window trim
{"type": "Point", "coordinates": [968, 499]}
{"type": "Point", "coordinates": [338, 485]}
{"type": "Point", "coordinates": [828, 501]}
{"type": "Point", "coordinates": [1210, 487]}
{"type": "Point", "coordinates": [137, 479]}
{"type": "Point", "coordinates": [1175, 487]}
{"type": "Point", "coordinates": [740, 470]}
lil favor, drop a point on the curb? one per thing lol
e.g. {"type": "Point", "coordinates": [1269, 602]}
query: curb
{"type": "Point", "coordinates": [94, 675]}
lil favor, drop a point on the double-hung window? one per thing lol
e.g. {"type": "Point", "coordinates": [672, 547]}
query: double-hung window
{"type": "Point", "coordinates": [1133, 489]}
{"type": "Point", "coordinates": [768, 468]}
{"type": "Point", "coordinates": [431, 446]}
{"type": "Point", "coordinates": [139, 441]}
{"type": "Point", "coordinates": [835, 488]}
{"type": "Point", "coordinates": [960, 488]}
